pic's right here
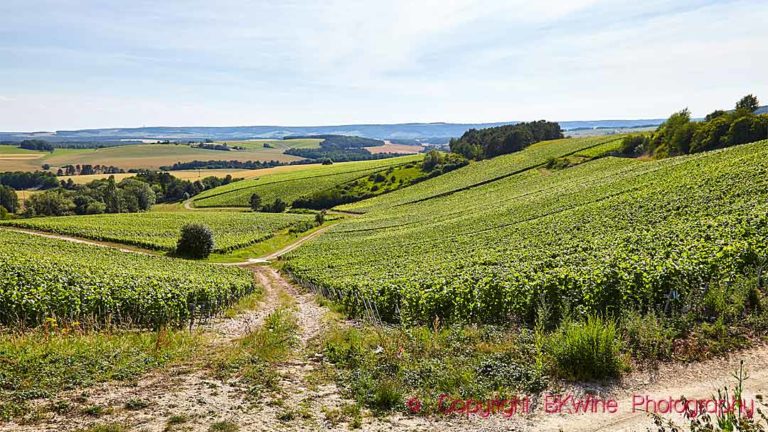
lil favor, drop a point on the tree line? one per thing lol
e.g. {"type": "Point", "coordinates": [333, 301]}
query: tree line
{"type": "Point", "coordinates": [480, 144]}
{"type": "Point", "coordinates": [680, 135]}
{"type": "Point", "coordinates": [133, 194]}
{"type": "Point", "coordinates": [86, 169]}
{"type": "Point", "coordinates": [37, 145]}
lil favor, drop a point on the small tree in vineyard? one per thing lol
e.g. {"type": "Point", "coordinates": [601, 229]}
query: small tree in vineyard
{"type": "Point", "coordinates": [255, 202]}
{"type": "Point", "coordinates": [196, 241]}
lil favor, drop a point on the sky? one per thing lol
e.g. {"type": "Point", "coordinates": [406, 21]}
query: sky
{"type": "Point", "coordinates": [97, 64]}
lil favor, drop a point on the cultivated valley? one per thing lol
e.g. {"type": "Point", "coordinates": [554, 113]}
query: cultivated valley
{"type": "Point", "coordinates": [517, 263]}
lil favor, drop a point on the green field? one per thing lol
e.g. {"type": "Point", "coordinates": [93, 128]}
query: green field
{"type": "Point", "coordinates": [13, 150]}
{"type": "Point", "coordinates": [606, 235]}
{"type": "Point", "coordinates": [160, 230]}
{"type": "Point", "coordinates": [281, 145]}
{"type": "Point", "coordinates": [480, 172]}
{"type": "Point", "coordinates": [292, 185]}
{"type": "Point", "coordinates": [43, 279]}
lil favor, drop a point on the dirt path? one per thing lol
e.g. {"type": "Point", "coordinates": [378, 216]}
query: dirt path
{"type": "Point", "coordinates": [117, 246]}
{"type": "Point", "coordinates": [191, 390]}
{"type": "Point", "coordinates": [122, 248]}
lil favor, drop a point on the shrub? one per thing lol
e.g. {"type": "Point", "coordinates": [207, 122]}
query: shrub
{"type": "Point", "coordinates": [278, 206]}
{"type": "Point", "coordinates": [196, 241]}
{"type": "Point", "coordinates": [647, 336]}
{"type": "Point", "coordinates": [255, 202]}
{"type": "Point", "coordinates": [588, 350]}
{"type": "Point", "coordinates": [320, 217]}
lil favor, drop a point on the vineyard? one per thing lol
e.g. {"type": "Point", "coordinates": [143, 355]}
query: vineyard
{"type": "Point", "coordinates": [160, 230]}
{"type": "Point", "coordinates": [44, 279]}
{"type": "Point", "coordinates": [605, 235]}
{"type": "Point", "coordinates": [482, 172]}
{"type": "Point", "coordinates": [289, 186]}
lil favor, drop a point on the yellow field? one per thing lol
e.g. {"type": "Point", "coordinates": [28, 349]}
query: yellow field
{"type": "Point", "coordinates": [148, 156]}
{"type": "Point", "coordinates": [198, 174]}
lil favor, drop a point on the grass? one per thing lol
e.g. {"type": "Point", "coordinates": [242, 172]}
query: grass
{"type": "Point", "coordinates": [224, 426]}
{"type": "Point", "coordinates": [588, 350]}
{"type": "Point", "coordinates": [265, 247]}
{"type": "Point", "coordinates": [247, 303]}
{"type": "Point", "coordinates": [380, 368]}
{"type": "Point", "coordinates": [252, 357]}
{"type": "Point", "coordinates": [40, 364]}
{"type": "Point", "coordinates": [14, 150]}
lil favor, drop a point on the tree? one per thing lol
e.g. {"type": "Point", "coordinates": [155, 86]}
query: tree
{"type": "Point", "coordinates": [139, 192]}
{"type": "Point", "coordinates": [255, 202]}
{"type": "Point", "coordinates": [432, 159]}
{"type": "Point", "coordinates": [320, 217]}
{"type": "Point", "coordinates": [748, 103]}
{"type": "Point", "coordinates": [8, 199]}
{"type": "Point", "coordinates": [196, 241]}
{"type": "Point", "coordinates": [633, 145]}
{"type": "Point", "coordinates": [278, 206]}
{"type": "Point", "coordinates": [111, 197]}
{"type": "Point", "coordinates": [51, 203]}
{"type": "Point", "coordinates": [747, 129]}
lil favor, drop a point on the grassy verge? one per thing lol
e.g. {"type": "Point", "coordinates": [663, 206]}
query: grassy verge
{"type": "Point", "coordinates": [252, 358]}
{"type": "Point", "coordinates": [38, 365]}
{"type": "Point", "coordinates": [382, 368]}
{"type": "Point", "coordinates": [266, 247]}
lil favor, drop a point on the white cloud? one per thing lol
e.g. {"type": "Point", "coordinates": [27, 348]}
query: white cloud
{"type": "Point", "coordinates": [93, 64]}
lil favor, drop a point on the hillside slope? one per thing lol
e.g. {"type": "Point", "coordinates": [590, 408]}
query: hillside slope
{"type": "Point", "coordinates": [605, 235]}
{"type": "Point", "coordinates": [481, 172]}
{"type": "Point", "coordinates": [289, 186]}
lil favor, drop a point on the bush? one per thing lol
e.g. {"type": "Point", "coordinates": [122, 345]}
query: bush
{"type": "Point", "coordinates": [320, 218]}
{"type": "Point", "coordinates": [588, 350]}
{"type": "Point", "coordinates": [9, 199]}
{"type": "Point", "coordinates": [255, 202]}
{"type": "Point", "coordinates": [647, 337]}
{"type": "Point", "coordinates": [196, 241]}
{"type": "Point", "coordinates": [278, 206]}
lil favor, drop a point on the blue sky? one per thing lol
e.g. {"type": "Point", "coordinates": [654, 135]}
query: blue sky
{"type": "Point", "coordinates": [80, 64]}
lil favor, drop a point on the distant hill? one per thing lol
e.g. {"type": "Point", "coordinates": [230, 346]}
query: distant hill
{"type": "Point", "coordinates": [762, 110]}
{"type": "Point", "coordinates": [424, 132]}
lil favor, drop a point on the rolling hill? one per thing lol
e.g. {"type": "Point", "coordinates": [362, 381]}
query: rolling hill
{"type": "Point", "coordinates": [289, 186]}
{"type": "Point", "coordinates": [606, 235]}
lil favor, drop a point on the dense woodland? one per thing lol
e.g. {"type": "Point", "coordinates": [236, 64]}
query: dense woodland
{"type": "Point", "coordinates": [680, 135]}
{"type": "Point", "coordinates": [480, 144]}
{"type": "Point", "coordinates": [29, 180]}
{"type": "Point", "coordinates": [35, 144]}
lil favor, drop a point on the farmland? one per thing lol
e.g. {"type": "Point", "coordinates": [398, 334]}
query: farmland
{"type": "Point", "coordinates": [294, 184]}
{"type": "Point", "coordinates": [147, 156]}
{"type": "Point", "coordinates": [193, 175]}
{"type": "Point", "coordinates": [480, 172]}
{"type": "Point", "coordinates": [160, 230]}
{"type": "Point", "coordinates": [43, 278]}
{"type": "Point", "coordinates": [606, 235]}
